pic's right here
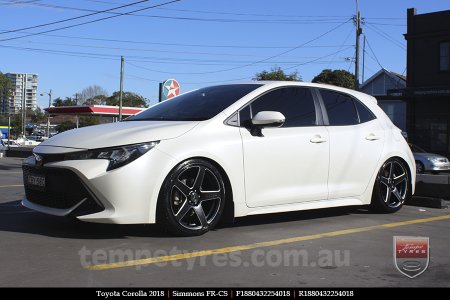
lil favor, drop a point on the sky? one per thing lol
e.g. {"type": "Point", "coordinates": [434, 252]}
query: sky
{"type": "Point", "coordinates": [196, 42]}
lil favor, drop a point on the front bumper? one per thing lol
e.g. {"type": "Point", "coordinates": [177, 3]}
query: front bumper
{"type": "Point", "coordinates": [439, 166]}
{"type": "Point", "coordinates": [63, 194]}
{"type": "Point", "coordinates": [83, 188]}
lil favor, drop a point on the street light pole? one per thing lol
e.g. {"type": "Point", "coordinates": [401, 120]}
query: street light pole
{"type": "Point", "coordinates": [48, 112]}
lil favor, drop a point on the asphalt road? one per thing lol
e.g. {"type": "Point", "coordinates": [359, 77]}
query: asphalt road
{"type": "Point", "coordinates": [347, 247]}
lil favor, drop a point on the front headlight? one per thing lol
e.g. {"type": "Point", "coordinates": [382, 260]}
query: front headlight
{"type": "Point", "coordinates": [117, 156]}
{"type": "Point", "coordinates": [434, 160]}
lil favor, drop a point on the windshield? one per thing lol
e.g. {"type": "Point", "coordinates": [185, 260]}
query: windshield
{"type": "Point", "coordinates": [198, 105]}
{"type": "Point", "coordinates": [416, 149]}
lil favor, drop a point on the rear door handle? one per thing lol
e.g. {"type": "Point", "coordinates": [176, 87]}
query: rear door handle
{"type": "Point", "coordinates": [317, 139]}
{"type": "Point", "coordinates": [372, 137]}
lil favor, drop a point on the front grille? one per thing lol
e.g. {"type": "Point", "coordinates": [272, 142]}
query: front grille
{"type": "Point", "coordinates": [63, 189]}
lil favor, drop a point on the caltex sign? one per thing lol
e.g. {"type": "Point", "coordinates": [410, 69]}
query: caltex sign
{"type": "Point", "coordinates": [170, 89]}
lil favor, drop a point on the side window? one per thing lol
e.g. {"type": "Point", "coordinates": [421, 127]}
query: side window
{"type": "Point", "coordinates": [365, 115]}
{"type": "Point", "coordinates": [295, 103]}
{"type": "Point", "coordinates": [340, 108]}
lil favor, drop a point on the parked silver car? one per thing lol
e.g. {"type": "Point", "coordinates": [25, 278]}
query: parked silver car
{"type": "Point", "coordinates": [429, 161]}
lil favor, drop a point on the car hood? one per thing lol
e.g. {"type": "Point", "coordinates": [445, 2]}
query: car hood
{"type": "Point", "coordinates": [117, 134]}
{"type": "Point", "coordinates": [427, 155]}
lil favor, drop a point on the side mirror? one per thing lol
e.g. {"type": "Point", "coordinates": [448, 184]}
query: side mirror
{"type": "Point", "coordinates": [266, 119]}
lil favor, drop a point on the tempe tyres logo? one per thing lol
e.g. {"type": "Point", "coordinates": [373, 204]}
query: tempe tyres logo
{"type": "Point", "coordinates": [411, 255]}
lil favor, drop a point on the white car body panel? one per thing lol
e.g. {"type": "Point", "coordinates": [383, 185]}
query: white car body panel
{"type": "Point", "coordinates": [349, 146]}
{"type": "Point", "coordinates": [273, 179]}
{"type": "Point", "coordinates": [265, 173]}
{"type": "Point", "coordinates": [120, 133]}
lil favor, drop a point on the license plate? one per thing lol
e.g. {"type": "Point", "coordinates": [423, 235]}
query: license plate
{"type": "Point", "coordinates": [36, 181]}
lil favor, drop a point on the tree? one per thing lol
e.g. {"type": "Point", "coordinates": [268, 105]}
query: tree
{"type": "Point", "coordinates": [36, 115]}
{"type": "Point", "coordinates": [89, 120]}
{"type": "Point", "coordinates": [16, 125]}
{"type": "Point", "coordinates": [96, 100]}
{"type": "Point", "coordinates": [277, 73]}
{"type": "Point", "coordinates": [66, 125]}
{"type": "Point", "coordinates": [340, 78]}
{"type": "Point", "coordinates": [129, 99]}
{"type": "Point", "coordinates": [90, 92]}
{"type": "Point", "coordinates": [66, 102]}
{"type": "Point", "coordinates": [5, 90]}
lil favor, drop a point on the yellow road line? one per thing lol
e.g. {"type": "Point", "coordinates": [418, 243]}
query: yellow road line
{"type": "Point", "coordinates": [5, 173]}
{"type": "Point", "coordinates": [183, 256]}
{"type": "Point", "coordinates": [12, 185]}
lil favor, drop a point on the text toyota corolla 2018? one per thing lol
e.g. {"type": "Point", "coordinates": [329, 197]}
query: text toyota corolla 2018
{"type": "Point", "coordinates": [226, 151]}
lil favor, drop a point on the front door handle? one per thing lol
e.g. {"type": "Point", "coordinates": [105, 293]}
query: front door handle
{"type": "Point", "coordinates": [317, 139]}
{"type": "Point", "coordinates": [372, 137]}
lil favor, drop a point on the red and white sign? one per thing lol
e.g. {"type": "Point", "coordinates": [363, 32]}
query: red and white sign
{"type": "Point", "coordinates": [170, 89]}
{"type": "Point", "coordinates": [411, 255]}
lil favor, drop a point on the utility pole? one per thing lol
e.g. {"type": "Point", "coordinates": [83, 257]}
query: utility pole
{"type": "Point", "coordinates": [24, 105]}
{"type": "Point", "coordinates": [364, 58]}
{"type": "Point", "coordinates": [9, 125]}
{"type": "Point", "coordinates": [48, 112]}
{"type": "Point", "coordinates": [160, 92]}
{"type": "Point", "coordinates": [48, 117]}
{"type": "Point", "coordinates": [121, 88]}
{"type": "Point", "coordinates": [358, 33]}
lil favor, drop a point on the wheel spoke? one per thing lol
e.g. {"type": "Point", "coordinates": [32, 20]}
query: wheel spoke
{"type": "Point", "coordinates": [201, 215]}
{"type": "Point", "coordinates": [183, 211]}
{"type": "Point", "coordinates": [397, 195]}
{"type": "Point", "coordinates": [388, 196]}
{"type": "Point", "coordinates": [205, 196]}
{"type": "Point", "coordinates": [199, 180]}
{"type": "Point", "coordinates": [384, 181]}
{"type": "Point", "coordinates": [400, 179]}
{"type": "Point", "coordinates": [391, 170]}
{"type": "Point", "coordinates": [182, 187]}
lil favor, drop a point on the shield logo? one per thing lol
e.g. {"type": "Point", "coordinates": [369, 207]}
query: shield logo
{"type": "Point", "coordinates": [411, 255]}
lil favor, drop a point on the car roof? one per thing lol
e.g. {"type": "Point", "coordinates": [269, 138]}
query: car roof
{"type": "Point", "coordinates": [275, 83]}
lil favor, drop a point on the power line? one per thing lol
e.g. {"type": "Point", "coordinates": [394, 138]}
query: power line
{"type": "Point", "coordinates": [317, 59]}
{"type": "Point", "coordinates": [378, 62]}
{"type": "Point", "coordinates": [19, 2]}
{"type": "Point", "coordinates": [386, 36]}
{"type": "Point", "coordinates": [92, 21]}
{"type": "Point", "coordinates": [255, 62]}
{"type": "Point", "coordinates": [184, 44]}
{"type": "Point", "coordinates": [387, 24]}
{"type": "Point", "coordinates": [74, 18]}
{"type": "Point", "coordinates": [308, 20]}
{"type": "Point", "coordinates": [230, 13]}
{"type": "Point", "coordinates": [147, 59]}
{"type": "Point", "coordinates": [343, 43]}
{"type": "Point", "coordinates": [247, 77]}
{"type": "Point", "coordinates": [373, 53]}
{"type": "Point", "coordinates": [145, 50]}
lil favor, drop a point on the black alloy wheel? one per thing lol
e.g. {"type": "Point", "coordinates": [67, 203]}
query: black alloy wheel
{"type": "Point", "coordinates": [392, 187]}
{"type": "Point", "coordinates": [193, 198]}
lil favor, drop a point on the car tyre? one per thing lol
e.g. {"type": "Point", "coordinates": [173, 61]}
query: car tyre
{"type": "Point", "coordinates": [392, 187]}
{"type": "Point", "coordinates": [192, 198]}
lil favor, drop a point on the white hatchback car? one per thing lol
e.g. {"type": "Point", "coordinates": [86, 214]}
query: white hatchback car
{"type": "Point", "coordinates": [222, 152]}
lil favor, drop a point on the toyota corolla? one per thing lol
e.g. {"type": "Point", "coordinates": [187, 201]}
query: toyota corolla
{"type": "Point", "coordinates": [222, 152]}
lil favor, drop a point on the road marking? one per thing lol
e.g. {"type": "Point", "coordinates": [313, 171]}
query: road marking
{"type": "Point", "coordinates": [11, 172]}
{"type": "Point", "coordinates": [183, 256]}
{"type": "Point", "coordinates": [12, 185]}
